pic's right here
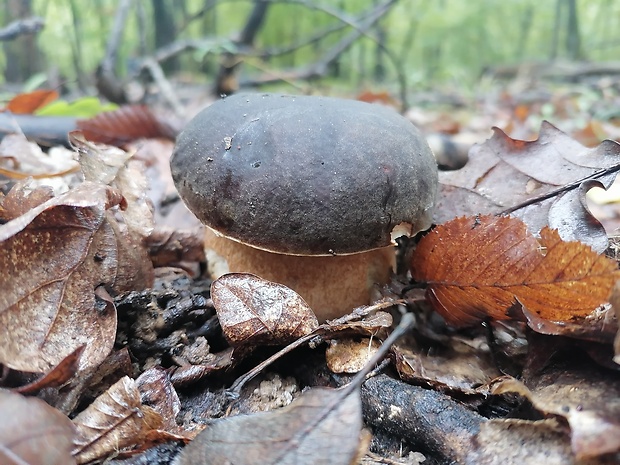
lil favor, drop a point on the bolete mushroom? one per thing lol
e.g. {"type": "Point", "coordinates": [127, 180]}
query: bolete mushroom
{"type": "Point", "coordinates": [309, 192]}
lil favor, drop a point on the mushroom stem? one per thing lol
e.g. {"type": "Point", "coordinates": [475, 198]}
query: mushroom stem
{"type": "Point", "coordinates": [332, 286]}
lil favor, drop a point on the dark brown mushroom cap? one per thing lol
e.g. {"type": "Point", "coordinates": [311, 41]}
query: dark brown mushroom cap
{"type": "Point", "coordinates": [305, 175]}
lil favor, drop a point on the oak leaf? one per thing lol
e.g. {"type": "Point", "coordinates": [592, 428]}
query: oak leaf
{"type": "Point", "coordinates": [503, 173]}
{"type": "Point", "coordinates": [477, 268]}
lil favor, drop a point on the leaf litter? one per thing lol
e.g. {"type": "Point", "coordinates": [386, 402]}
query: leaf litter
{"type": "Point", "coordinates": [159, 392]}
{"type": "Point", "coordinates": [503, 173]}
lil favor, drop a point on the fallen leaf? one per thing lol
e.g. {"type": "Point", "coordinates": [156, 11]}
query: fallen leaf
{"type": "Point", "coordinates": [58, 376]}
{"type": "Point", "coordinates": [124, 125]}
{"type": "Point", "coordinates": [320, 426]}
{"type": "Point", "coordinates": [157, 392]}
{"type": "Point", "coordinates": [253, 310]}
{"type": "Point", "coordinates": [33, 433]}
{"type": "Point", "coordinates": [455, 367]}
{"type": "Point", "coordinates": [512, 441]}
{"type": "Point", "coordinates": [115, 420]}
{"type": "Point", "coordinates": [349, 356]}
{"type": "Point", "coordinates": [504, 172]}
{"type": "Point", "coordinates": [23, 197]}
{"type": "Point", "coordinates": [28, 103]}
{"type": "Point", "coordinates": [59, 253]}
{"type": "Point", "coordinates": [615, 304]}
{"type": "Point", "coordinates": [21, 159]}
{"type": "Point", "coordinates": [586, 397]}
{"type": "Point", "coordinates": [477, 268]}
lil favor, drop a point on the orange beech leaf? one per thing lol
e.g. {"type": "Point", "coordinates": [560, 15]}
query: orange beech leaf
{"type": "Point", "coordinates": [28, 103]}
{"type": "Point", "coordinates": [476, 268]}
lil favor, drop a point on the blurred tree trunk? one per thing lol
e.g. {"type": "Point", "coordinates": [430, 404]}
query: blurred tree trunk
{"type": "Point", "coordinates": [165, 29]}
{"type": "Point", "coordinates": [23, 58]}
{"type": "Point", "coordinates": [226, 82]}
{"type": "Point", "coordinates": [76, 46]}
{"type": "Point", "coordinates": [573, 37]}
{"type": "Point", "coordinates": [567, 17]}
{"type": "Point", "coordinates": [526, 27]}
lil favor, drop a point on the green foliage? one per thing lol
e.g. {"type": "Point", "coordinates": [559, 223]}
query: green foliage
{"type": "Point", "coordinates": [85, 107]}
{"type": "Point", "coordinates": [440, 41]}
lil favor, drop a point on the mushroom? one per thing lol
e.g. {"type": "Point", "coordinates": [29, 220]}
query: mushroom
{"type": "Point", "coordinates": [306, 191]}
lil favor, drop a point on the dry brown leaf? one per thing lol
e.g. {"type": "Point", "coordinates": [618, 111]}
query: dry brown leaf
{"type": "Point", "coordinates": [58, 376]}
{"type": "Point", "coordinates": [253, 310]}
{"type": "Point", "coordinates": [516, 442]}
{"type": "Point", "coordinates": [59, 253]}
{"type": "Point", "coordinates": [476, 269]}
{"type": "Point", "coordinates": [21, 198]}
{"type": "Point", "coordinates": [115, 420]}
{"type": "Point", "coordinates": [456, 367]}
{"type": "Point", "coordinates": [33, 433]}
{"type": "Point", "coordinates": [157, 392]}
{"type": "Point", "coordinates": [21, 158]}
{"type": "Point", "coordinates": [29, 102]}
{"type": "Point", "coordinates": [318, 427]}
{"type": "Point", "coordinates": [124, 125]}
{"type": "Point", "coordinates": [615, 303]}
{"type": "Point", "coordinates": [588, 399]}
{"type": "Point", "coordinates": [349, 356]}
{"type": "Point", "coordinates": [504, 172]}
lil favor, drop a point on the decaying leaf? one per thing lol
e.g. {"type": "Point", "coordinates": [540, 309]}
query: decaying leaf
{"type": "Point", "coordinates": [115, 420]}
{"type": "Point", "coordinates": [348, 355]}
{"type": "Point", "coordinates": [58, 376]}
{"type": "Point", "coordinates": [59, 253]}
{"type": "Point", "coordinates": [320, 426]}
{"type": "Point", "coordinates": [157, 392]}
{"type": "Point", "coordinates": [477, 268]}
{"type": "Point", "coordinates": [587, 398]}
{"type": "Point", "coordinates": [615, 303]}
{"type": "Point", "coordinates": [32, 432]}
{"type": "Point", "coordinates": [457, 368]}
{"type": "Point", "coordinates": [254, 310]}
{"type": "Point", "coordinates": [504, 172]}
{"type": "Point", "coordinates": [21, 159]}
{"type": "Point", "coordinates": [515, 442]}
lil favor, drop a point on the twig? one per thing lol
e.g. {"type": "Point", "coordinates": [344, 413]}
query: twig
{"type": "Point", "coordinates": [20, 27]}
{"type": "Point", "coordinates": [318, 334]}
{"type": "Point", "coordinates": [565, 188]}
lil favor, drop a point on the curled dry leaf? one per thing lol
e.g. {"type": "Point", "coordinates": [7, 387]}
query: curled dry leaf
{"type": "Point", "coordinates": [320, 426]}
{"type": "Point", "coordinates": [115, 420]}
{"type": "Point", "coordinates": [349, 356]}
{"type": "Point", "coordinates": [512, 441]}
{"type": "Point", "coordinates": [504, 172]}
{"type": "Point", "coordinates": [59, 253]}
{"type": "Point", "coordinates": [32, 432]}
{"type": "Point", "coordinates": [157, 391]}
{"type": "Point", "coordinates": [58, 376]}
{"type": "Point", "coordinates": [615, 303]}
{"type": "Point", "coordinates": [588, 399]}
{"type": "Point", "coordinates": [21, 159]}
{"type": "Point", "coordinates": [253, 310]}
{"type": "Point", "coordinates": [477, 268]}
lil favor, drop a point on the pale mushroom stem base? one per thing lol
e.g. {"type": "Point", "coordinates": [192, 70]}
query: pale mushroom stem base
{"type": "Point", "coordinates": [332, 286]}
